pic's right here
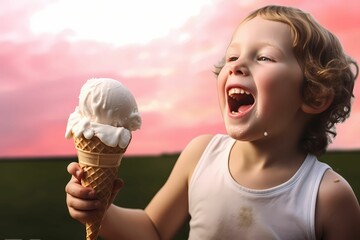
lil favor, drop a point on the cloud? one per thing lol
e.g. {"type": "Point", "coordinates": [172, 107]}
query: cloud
{"type": "Point", "coordinates": [170, 76]}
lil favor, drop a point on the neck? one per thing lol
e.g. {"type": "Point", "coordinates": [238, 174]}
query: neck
{"type": "Point", "coordinates": [264, 164]}
{"type": "Point", "coordinates": [270, 150]}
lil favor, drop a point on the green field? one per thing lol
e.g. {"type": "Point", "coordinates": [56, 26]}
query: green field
{"type": "Point", "coordinates": [32, 202]}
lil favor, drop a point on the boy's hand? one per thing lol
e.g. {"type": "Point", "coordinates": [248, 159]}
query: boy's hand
{"type": "Point", "coordinates": [81, 201]}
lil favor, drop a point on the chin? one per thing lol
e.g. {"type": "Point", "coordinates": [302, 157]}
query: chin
{"type": "Point", "coordinates": [235, 132]}
{"type": "Point", "coordinates": [242, 134]}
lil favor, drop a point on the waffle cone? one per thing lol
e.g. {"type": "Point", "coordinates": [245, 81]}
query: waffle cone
{"type": "Point", "coordinates": [100, 164]}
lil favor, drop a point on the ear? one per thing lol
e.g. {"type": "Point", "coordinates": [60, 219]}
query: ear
{"type": "Point", "coordinates": [318, 106]}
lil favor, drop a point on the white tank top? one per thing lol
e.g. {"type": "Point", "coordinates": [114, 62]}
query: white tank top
{"type": "Point", "coordinates": [222, 209]}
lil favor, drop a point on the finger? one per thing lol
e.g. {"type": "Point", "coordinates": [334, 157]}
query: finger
{"type": "Point", "coordinates": [118, 185]}
{"type": "Point", "coordinates": [75, 189]}
{"type": "Point", "coordinates": [75, 170]}
{"type": "Point", "coordinates": [79, 204]}
{"type": "Point", "coordinates": [82, 216]}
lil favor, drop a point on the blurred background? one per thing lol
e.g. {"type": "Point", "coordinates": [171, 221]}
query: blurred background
{"type": "Point", "coordinates": [164, 52]}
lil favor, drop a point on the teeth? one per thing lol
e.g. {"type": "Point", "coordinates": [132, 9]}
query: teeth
{"type": "Point", "coordinates": [235, 91]}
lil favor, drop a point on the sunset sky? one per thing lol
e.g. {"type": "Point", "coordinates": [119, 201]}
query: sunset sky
{"type": "Point", "coordinates": [162, 50]}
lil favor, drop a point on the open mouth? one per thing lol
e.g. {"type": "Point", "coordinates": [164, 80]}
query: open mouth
{"type": "Point", "coordinates": [239, 100]}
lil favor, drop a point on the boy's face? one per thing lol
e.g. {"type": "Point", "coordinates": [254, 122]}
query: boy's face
{"type": "Point", "coordinates": [259, 86]}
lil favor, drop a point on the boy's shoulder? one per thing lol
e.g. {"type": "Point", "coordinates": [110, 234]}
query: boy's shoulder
{"type": "Point", "coordinates": [337, 209]}
{"type": "Point", "coordinates": [202, 140]}
{"type": "Point", "coordinates": [196, 146]}
{"type": "Point", "coordinates": [334, 189]}
{"type": "Point", "coordinates": [192, 153]}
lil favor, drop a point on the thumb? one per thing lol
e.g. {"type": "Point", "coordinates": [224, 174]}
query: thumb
{"type": "Point", "coordinates": [75, 170]}
{"type": "Point", "coordinates": [118, 185]}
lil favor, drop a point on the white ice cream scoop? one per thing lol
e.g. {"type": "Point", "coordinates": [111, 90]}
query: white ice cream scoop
{"type": "Point", "coordinates": [108, 110]}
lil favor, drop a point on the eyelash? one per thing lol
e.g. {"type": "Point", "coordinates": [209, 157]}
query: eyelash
{"type": "Point", "coordinates": [261, 58]}
{"type": "Point", "coordinates": [231, 59]}
{"type": "Point", "coordinates": [266, 59]}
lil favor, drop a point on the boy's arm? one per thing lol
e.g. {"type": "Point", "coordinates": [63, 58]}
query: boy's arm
{"type": "Point", "coordinates": [118, 223]}
{"type": "Point", "coordinates": [169, 208]}
{"type": "Point", "coordinates": [337, 209]}
{"type": "Point", "coordinates": [167, 211]}
{"type": "Point", "coordinates": [124, 223]}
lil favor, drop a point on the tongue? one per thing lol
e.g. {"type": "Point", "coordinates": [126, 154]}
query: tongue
{"type": "Point", "coordinates": [243, 108]}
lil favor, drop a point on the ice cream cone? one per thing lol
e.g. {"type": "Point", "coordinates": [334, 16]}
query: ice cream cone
{"type": "Point", "coordinates": [108, 112]}
{"type": "Point", "coordinates": [100, 164]}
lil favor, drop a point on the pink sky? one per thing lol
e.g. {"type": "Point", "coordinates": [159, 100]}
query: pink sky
{"type": "Point", "coordinates": [41, 72]}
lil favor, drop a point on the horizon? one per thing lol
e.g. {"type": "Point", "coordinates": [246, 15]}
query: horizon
{"type": "Point", "coordinates": [130, 156]}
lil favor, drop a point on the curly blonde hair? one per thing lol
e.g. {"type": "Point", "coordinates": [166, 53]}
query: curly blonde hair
{"type": "Point", "coordinates": [328, 72]}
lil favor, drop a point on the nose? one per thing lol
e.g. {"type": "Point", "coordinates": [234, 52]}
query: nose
{"type": "Point", "coordinates": [238, 67]}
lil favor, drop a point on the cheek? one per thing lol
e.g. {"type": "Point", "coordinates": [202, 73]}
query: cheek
{"type": "Point", "coordinates": [281, 82]}
{"type": "Point", "coordinates": [281, 91]}
{"type": "Point", "coordinates": [221, 83]}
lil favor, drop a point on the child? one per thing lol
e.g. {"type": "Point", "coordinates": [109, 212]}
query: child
{"type": "Point", "coordinates": [283, 85]}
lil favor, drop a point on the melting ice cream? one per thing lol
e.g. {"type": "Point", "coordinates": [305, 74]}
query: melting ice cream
{"type": "Point", "coordinates": [107, 110]}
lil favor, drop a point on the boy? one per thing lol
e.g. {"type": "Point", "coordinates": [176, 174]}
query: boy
{"type": "Point", "coordinates": [283, 85]}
